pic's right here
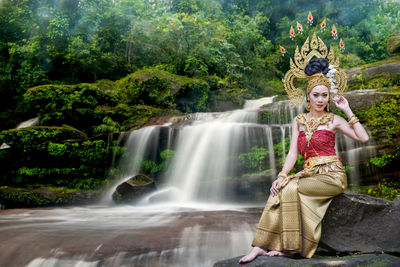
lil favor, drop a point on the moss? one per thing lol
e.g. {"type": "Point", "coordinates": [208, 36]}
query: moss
{"type": "Point", "coordinates": [55, 155]}
{"type": "Point", "coordinates": [31, 136]}
{"type": "Point", "coordinates": [380, 80]}
{"type": "Point", "coordinates": [18, 197]}
{"type": "Point", "coordinates": [386, 189]}
{"type": "Point", "coordinates": [385, 115]}
{"type": "Point", "coordinates": [162, 89]}
{"type": "Point", "coordinates": [388, 60]}
{"type": "Point", "coordinates": [133, 117]}
{"type": "Point", "coordinates": [43, 196]}
{"type": "Point", "coordinates": [68, 104]}
{"type": "Point", "coordinates": [391, 90]}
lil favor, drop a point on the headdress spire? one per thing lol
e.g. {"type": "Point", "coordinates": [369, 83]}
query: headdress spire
{"type": "Point", "coordinates": [315, 48]}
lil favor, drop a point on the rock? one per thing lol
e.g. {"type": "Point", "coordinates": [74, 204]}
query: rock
{"type": "Point", "coordinates": [382, 260]}
{"type": "Point", "coordinates": [12, 197]}
{"type": "Point", "coordinates": [368, 96]}
{"type": "Point", "coordinates": [393, 44]}
{"type": "Point", "coordinates": [356, 222]}
{"type": "Point", "coordinates": [133, 188]}
{"type": "Point", "coordinates": [389, 69]}
{"type": "Point", "coordinates": [353, 223]}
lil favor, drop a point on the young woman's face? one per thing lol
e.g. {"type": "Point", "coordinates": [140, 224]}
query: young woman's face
{"type": "Point", "coordinates": [319, 97]}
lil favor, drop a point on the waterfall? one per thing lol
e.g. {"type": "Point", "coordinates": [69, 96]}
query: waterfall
{"type": "Point", "coordinates": [206, 165]}
{"type": "Point", "coordinates": [202, 153]}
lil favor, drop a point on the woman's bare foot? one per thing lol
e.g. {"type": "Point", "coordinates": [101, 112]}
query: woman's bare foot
{"type": "Point", "coordinates": [273, 253]}
{"type": "Point", "coordinates": [256, 251]}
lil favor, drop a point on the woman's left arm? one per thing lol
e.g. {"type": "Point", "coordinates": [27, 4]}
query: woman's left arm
{"type": "Point", "coordinates": [357, 131]}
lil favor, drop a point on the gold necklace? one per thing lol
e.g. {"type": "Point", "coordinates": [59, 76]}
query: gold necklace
{"type": "Point", "coordinates": [312, 124]}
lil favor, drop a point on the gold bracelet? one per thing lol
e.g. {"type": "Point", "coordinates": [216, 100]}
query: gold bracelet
{"type": "Point", "coordinates": [353, 120]}
{"type": "Point", "coordinates": [352, 116]}
{"type": "Point", "coordinates": [282, 174]}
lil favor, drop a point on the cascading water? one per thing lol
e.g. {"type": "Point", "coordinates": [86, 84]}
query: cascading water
{"type": "Point", "coordinates": [189, 229]}
{"type": "Point", "coordinates": [207, 146]}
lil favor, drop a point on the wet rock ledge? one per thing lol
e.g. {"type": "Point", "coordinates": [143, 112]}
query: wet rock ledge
{"type": "Point", "coordinates": [364, 230]}
{"type": "Point", "coordinates": [381, 260]}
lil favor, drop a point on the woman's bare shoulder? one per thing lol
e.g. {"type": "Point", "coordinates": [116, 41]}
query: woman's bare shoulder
{"type": "Point", "coordinates": [338, 121]}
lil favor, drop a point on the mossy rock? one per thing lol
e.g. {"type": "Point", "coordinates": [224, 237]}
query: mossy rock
{"type": "Point", "coordinates": [133, 189]}
{"type": "Point", "coordinates": [55, 155]}
{"type": "Point", "coordinates": [13, 197]}
{"type": "Point", "coordinates": [392, 59]}
{"type": "Point", "coordinates": [160, 88]}
{"type": "Point", "coordinates": [74, 105]}
{"type": "Point", "coordinates": [133, 117]}
{"type": "Point", "coordinates": [393, 44]}
{"type": "Point", "coordinates": [38, 136]}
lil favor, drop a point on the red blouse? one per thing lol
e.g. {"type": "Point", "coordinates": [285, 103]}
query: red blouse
{"type": "Point", "coordinates": [322, 143]}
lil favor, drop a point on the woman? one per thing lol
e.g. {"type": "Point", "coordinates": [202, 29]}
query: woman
{"type": "Point", "coordinates": [291, 221]}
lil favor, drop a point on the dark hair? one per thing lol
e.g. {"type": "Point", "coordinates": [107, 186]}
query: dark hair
{"type": "Point", "coordinates": [317, 65]}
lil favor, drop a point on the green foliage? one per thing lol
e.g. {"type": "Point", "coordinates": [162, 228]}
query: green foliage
{"type": "Point", "coordinates": [151, 167]}
{"type": "Point", "coordinates": [361, 114]}
{"type": "Point", "coordinates": [47, 155]}
{"type": "Point", "coordinates": [16, 197]}
{"type": "Point", "coordinates": [71, 42]}
{"type": "Point", "coordinates": [160, 88]}
{"type": "Point", "coordinates": [281, 150]}
{"type": "Point", "coordinates": [264, 117]}
{"type": "Point", "coordinates": [37, 137]}
{"type": "Point", "coordinates": [385, 115]}
{"type": "Point", "coordinates": [383, 160]}
{"type": "Point", "coordinates": [108, 126]}
{"type": "Point", "coordinates": [254, 159]}
{"type": "Point", "coordinates": [382, 80]}
{"type": "Point", "coordinates": [384, 189]}
{"type": "Point", "coordinates": [70, 104]}
{"type": "Point", "coordinates": [21, 197]}
{"type": "Point", "coordinates": [350, 61]}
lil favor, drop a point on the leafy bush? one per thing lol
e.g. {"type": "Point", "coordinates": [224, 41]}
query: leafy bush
{"type": "Point", "coordinates": [55, 155]}
{"type": "Point", "coordinates": [385, 115]}
{"type": "Point", "coordinates": [383, 160]}
{"type": "Point", "coordinates": [385, 189]}
{"type": "Point", "coordinates": [254, 159]}
{"type": "Point", "coordinates": [160, 88]}
{"type": "Point", "coordinates": [151, 167]}
{"type": "Point", "coordinates": [67, 104]}
{"type": "Point", "coordinates": [279, 153]}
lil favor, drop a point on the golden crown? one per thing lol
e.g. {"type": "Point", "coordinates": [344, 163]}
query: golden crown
{"type": "Point", "coordinates": [335, 80]}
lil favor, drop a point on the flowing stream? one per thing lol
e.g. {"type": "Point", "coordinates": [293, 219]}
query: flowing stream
{"type": "Point", "coordinates": [204, 210]}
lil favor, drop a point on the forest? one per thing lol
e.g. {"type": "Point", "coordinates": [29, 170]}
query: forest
{"type": "Point", "coordinates": [231, 45]}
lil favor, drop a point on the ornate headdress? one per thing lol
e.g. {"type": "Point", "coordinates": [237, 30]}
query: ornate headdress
{"type": "Point", "coordinates": [335, 79]}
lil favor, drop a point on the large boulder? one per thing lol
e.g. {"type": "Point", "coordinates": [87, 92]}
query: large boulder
{"type": "Point", "coordinates": [133, 189]}
{"type": "Point", "coordinates": [390, 69]}
{"type": "Point", "coordinates": [361, 223]}
{"type": "Point", "coordinates": [353, 224]}
{"type": "Point", "coordinates": [383, 260]}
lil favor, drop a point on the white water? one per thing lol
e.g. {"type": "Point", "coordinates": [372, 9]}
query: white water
{"type": "Point", "coordinates": [207, 149]}
{"type": "Point", "coordinates": [257, 103]}
{"type": "Point", "coordinates": [206, 153]}
{"type": "Point", "coordinates": [157, 235]}
{"type": "Point", "coordinates": [202, 153]}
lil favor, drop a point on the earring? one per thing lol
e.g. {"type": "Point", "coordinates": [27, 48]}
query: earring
{"type": "Point", "coordinates": [308, 106]}
{"type": "Point", "coordinates": [327, 107]}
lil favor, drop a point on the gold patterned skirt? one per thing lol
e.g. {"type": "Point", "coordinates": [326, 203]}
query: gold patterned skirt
{"type": "Point", "coordinates": [291, 220]}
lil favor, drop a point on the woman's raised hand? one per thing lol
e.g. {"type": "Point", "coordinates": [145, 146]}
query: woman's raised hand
{"type": "Point", "coordinates": [275, 186]}
{"type": "Point", "coordinates": [342, 103]}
